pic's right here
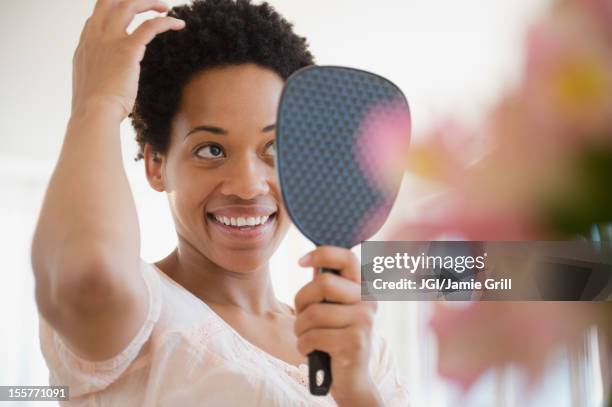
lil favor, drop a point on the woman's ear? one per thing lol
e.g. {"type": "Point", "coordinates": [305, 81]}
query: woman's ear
{"type": "Point", "coordinates": [154, 168]}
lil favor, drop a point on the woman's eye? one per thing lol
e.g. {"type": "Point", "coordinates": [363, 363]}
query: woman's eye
{"type": "Point", "coordinates": [271, 149]}
{"type": "Point", "coordinates": [209, 151]}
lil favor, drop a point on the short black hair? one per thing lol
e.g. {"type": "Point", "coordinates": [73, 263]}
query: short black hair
{"type": "Point", "coordinates": [217, 33]}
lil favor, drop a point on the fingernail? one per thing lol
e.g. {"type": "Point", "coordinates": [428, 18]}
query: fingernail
{"type": "Point", "coordinates": [305, 259]}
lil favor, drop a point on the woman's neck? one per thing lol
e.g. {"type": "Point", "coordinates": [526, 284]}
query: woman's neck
{"type": "Point", "coordinates": [251, 291]}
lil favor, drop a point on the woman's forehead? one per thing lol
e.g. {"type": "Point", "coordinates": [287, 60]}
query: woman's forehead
{"type": "Point", "coordinates": [237, 99]}
{"type": "Point", "coordinates": [234, 87]}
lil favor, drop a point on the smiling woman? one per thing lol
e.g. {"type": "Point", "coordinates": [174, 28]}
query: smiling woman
{"type": "Point", "coordinates": [202, 325]}
{"type": "Point", "coordinates": [221, 140]}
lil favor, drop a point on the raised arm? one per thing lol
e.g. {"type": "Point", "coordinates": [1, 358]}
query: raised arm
{"type": "Point", "coordinates": [86, 246]}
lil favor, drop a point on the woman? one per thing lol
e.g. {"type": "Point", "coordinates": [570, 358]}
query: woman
{"type": "Point", "coordinates": [201, 326]}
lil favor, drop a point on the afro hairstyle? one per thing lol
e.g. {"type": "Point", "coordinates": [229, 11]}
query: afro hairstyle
{"type": "Point", "coordinates": [217, 33]}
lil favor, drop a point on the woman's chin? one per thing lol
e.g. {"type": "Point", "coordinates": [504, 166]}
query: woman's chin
{"type": "Point", "coordinates": [241, 261]}
{"type": "Point", "coordinates": [245, 268]}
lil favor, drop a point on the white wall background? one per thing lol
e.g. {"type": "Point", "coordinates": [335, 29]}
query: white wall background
{"type": "Point", "coordinates": [447, 56]}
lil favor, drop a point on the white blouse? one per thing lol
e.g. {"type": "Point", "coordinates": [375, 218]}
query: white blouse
{"type": "Point", "coordinates": [185, 354]}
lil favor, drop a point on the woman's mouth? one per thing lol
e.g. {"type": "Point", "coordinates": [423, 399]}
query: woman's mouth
{"type": "Point", "coordinates": [242, 227]}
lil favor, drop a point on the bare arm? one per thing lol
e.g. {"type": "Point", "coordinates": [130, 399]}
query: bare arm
{"type": "Point", "coordinates": [86, 247]}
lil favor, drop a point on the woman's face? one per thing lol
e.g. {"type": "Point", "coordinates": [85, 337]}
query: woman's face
{"type": "Point", "coordinates": [219, 167]}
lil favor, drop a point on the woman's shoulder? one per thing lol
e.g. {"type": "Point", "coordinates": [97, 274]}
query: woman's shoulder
{"type": "Point", "coordinates": [178, 327]}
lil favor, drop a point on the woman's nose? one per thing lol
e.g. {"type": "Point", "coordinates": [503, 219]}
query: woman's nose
{"type": "Point", "coordinates": [248, 177]}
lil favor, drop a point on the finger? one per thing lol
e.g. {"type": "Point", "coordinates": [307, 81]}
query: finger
{"type": "Point", "coordinates": [317, 316]}
{"type": "Point", "coordinates": [104, 5]}
{"type": "Point", "coordinates": [84, 34]}
{"type": "Point", "coordinates": [327, 287]}
{"type": "Point", "coordinates": [119, 19]}
{"type": "Point", "coordinates": [335, 258]}
{"type": "Point", "coordinates": [145, 33]}
{"type": "Point", "coordinates": [102, 9]}
{"type": "Point", "coordinates": [341, 344]}
{"type": "Point", "coordinates": [86, 27]}
{"type": "Point", "coordinates": [326, 340]}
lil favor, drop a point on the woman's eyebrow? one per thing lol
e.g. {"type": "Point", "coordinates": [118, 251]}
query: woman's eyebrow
{"type": "Point", "coordinates": [219, 130]}
{"type": "Point", "coordinates": [209, 129]}
{"type": "Point", "coordinates": [269, 127]}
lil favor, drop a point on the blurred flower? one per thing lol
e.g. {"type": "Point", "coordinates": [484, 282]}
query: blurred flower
{"type": "Point", "coordinates": [568, 77]}
{"type": "Point", "coordinates": [446, 151]}
{"type": "Point", "coordinates": [484, 335]}
{"type": "Point", "coordinates": [601, 15]}
{"type": "Point", "coordinates": [538, 168]}
{"type": "Point", "coordinates": [450, 216]}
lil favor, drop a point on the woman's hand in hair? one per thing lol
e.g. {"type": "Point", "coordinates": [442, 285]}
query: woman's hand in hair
{"type": "Point", "coordinates": [342, 327]}
{"type": "Point", "coordinates": [106, 63]}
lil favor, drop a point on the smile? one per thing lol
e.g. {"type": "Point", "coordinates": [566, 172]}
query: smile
{"type": "Point", "coordinates": [242, 227]}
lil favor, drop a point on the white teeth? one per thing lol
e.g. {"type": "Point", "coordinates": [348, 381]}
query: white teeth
{"type": "Point", "coordinates": [240, 221]}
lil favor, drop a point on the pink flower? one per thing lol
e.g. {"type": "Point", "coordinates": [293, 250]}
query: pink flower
{"type": "Point", "coordinates": [568, 77]}
{"type": "Point", "coordinates": [451, 217]}
{"type": "Point", "coordinates": [445, 152]}
{"type": "Point", "coordinates": [482, 335]}
{"type": "Point", "coordinates": [601, 15]}
{"type": "Point", "coordinates": [499, 181]}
